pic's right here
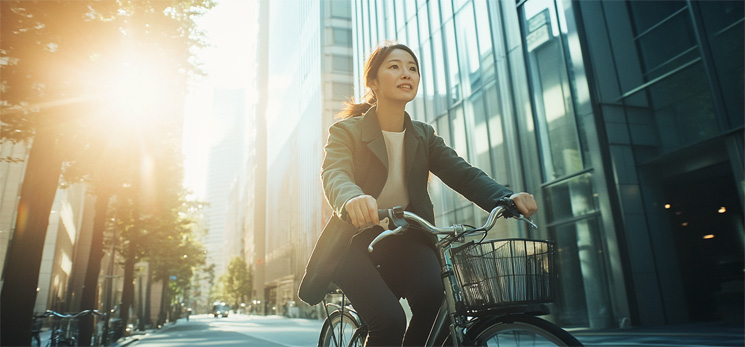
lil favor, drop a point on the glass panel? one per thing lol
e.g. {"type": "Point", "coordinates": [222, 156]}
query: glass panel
{"type": "Point", "coordinates": [552, 95]}
{"type": "Point", "coordinates": [723, 26]}
{"type": "Point", "coordinates": [478, 139]}
{"type": "Point", "coordinates": [582, 296]}
{"type": "Point", "coordinates": [342, 36]}
{"type": "Point", "coordinates": [667, 46]}
{"type": "Point", "coordinates": [341, 63]}
{"type": "Point", "coordinates": [484, 36]}
{"type": "Point", "coordinates": [499, 157]}
{"type": "Point", "coordinates": [457, 4]}
{"type": "Point", "coordinates": [410, 9]}
{"type": "Point", "coordinates": [447, 9]}
{"type": "Point", "coordinates": [400, 19]}
{"type": "Point", "coordinates": [380, 20]}
{"type": "Point", "coordinates": [423, 24]}
{"type": "Point", "coordinates": [341, 9]}
{"type": "Point", "coordinates": [413, 36]}
{"type": "Point", "coordinates": [434, 14]}
{"type": "Point", "coordinates": [341, 91]}
{"type": "Point", "coordinates": [372, 22]}
{"type": "Point", "coordinates": [427, 83]}
{"type": "Point", "coordinates": [469, 60]}
{"type": "Point", "coordinates": [390, 20]}
{"type": "Point", "coordinates": [441, 94]}
{"type": "Point", "coordinates": [458, 131]}
{"type": "Point", "coordinates": [647, 14]}
{"type": "Point", "coordinates": [683, 109]}
{"type": "Point", "coordinates": [451, 50]}
{"type": "Point", "coordinates": [571, 198]}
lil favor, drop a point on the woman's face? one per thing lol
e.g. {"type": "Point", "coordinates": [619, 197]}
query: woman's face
{"type": "Point", "coordinates": [398, 78]}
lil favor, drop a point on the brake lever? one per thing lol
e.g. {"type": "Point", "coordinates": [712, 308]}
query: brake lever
{"type": "Point", "coordinates": [530, 222]}
{"type": "Point", "coordinates": [383, 235]}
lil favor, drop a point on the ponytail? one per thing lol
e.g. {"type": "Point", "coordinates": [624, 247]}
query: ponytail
{"type": "Point", "coordinates": [352, 109]}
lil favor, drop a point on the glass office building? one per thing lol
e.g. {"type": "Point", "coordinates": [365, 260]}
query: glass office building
{"type": "Point", "coordinates": [624, 118]}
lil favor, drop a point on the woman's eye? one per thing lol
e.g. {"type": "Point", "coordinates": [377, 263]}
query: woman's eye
{"type": "Point", "coordinates": [413, 69]}
{"type": "Point", "coordinates": [394, 66]}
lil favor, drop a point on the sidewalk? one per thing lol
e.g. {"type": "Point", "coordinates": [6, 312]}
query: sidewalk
{"type": "Point", "coordinates": [138, 335]}
{"type": "Point", "coordinates": [693, 334]}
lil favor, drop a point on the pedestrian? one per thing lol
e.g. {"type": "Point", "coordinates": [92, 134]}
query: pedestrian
{"type": "Point", "coordinates": [378, 157]}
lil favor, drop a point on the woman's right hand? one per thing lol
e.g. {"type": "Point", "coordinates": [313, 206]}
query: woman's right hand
{"type": "Point", "coordinates": [362, 211]}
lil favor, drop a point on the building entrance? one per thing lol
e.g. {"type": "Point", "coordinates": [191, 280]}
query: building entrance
{"type": "Point", "coordinates": [707, 222]}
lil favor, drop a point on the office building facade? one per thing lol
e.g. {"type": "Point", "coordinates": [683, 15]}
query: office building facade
{"type": "Point", "coordinates": [624, 118]}
{"type": "Point", "coordinates": [305, 73]}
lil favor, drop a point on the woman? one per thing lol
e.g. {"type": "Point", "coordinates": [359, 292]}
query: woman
{"type": "Point", "coordinates": [378, 157]}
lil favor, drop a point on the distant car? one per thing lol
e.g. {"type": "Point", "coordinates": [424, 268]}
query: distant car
{"type": "Point", "coordinates": [220, 310]}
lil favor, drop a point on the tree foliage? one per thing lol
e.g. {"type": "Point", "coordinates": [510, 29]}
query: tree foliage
{"type": "Point", "coordinates": [97, 86]}
{"type": "Point", "coordinates": [237, 282]}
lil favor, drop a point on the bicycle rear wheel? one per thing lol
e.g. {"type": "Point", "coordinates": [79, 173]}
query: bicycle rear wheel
{"type": "Point", "coordinates": [342, 330]}
{"type": "Point", "coordinates": [523, 330]}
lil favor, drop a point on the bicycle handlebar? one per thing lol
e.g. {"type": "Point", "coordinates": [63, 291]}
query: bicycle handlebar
{"type": "Point", "coordinates": [50, 313]}
{"type": "Point", "coordinates": [397, 221]}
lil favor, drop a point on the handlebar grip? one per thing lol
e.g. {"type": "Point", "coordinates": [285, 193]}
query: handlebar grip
{"type": "Point", "coordinates": [510, 209]}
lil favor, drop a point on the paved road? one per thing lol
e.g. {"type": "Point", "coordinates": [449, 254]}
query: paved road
{"type": "Point", "coordinates": [236, 330]}
{"type": "Point", "coordinates": [273, 331]}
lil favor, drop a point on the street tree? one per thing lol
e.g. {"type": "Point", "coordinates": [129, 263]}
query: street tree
{"type": "Point", "coordinates": [237, 282]}
{"type": "Point", "coordinates": [63, 66]}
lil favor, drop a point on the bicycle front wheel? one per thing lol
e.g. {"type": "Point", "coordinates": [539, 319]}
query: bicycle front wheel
{"type": "Point", "coordinates": [342, 330]}
{"type": "Point", "coordinates": [523, 330]}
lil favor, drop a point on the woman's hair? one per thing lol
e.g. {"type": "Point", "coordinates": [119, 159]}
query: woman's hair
{"type": "Point", "coordinates": [376, 58]}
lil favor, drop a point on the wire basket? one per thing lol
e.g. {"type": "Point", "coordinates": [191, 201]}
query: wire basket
{"type": "Point", "coordinates": [501, 273]}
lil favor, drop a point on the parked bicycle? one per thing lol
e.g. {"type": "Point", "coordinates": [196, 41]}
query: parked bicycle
{"type": "Point", "coordinates": [494, 289]}
{"type": "Point", "coordinates": [65, 328]}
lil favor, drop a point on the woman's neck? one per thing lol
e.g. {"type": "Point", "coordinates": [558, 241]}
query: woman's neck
{"type": "Point", "coordinates": [391, 117]}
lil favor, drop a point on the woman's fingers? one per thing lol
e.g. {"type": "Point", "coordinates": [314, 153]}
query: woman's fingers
{"type": "Point", "coordinates": [362, 211]}
{"type": "Point", "coordinates": [525, 203]}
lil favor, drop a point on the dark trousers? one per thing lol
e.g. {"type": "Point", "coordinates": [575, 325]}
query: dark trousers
{"type": "Point", "coordinates": [400, 267]}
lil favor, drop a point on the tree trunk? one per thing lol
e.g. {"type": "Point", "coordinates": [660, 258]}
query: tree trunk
{"type": "Point", "coordinates": [128, 289]}
{"type": "Point", "coordinates": [162, 315]}
{"type": "Point", "coordinates": [148, 287]}
{"type": "Point", "coordinates": [88, 299]}
{"type": "Point", "coordinates": [23, 260]}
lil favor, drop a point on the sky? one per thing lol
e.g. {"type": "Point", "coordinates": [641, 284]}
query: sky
{"type": "Point", "coordinates": [231, 29]}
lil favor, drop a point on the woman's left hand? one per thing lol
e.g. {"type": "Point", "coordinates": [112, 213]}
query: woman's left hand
{"type": "Point", "coordinates": [525, 203]}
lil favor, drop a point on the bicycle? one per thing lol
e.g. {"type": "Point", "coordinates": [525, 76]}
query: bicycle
{"type": "Point", "coordinates": [494, 289]}
{"type": "Point", "coordinates": [65, 327]}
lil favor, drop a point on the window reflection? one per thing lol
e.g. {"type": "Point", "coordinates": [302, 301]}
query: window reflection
{"type": "Point", "coordinates": [452, 62]}
{"type": "Point", "coordinates": [571, 198]}
{"type": "Point", "coordinates": [468, 49]}
{"type": "Point", "coordinates": [551, 91]}
{"type": "Point", "coordinates": [498, 152]}
{"type": "Point", "coordinates": [580, 260]}
{"type": "Point", "coordinates": [427, 83]}
{"type": "Point", "coordinates": [484, 36]}
{"type": "Point", "coordinates": [440, 99]}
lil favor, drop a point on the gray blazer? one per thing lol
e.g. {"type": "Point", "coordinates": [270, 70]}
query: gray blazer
{"type": "Point", "coordinates": [356, 163]}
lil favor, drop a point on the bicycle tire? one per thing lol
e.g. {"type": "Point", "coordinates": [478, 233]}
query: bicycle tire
{"type": "Point", "coordinates": [347, 331]}
{"type": "Point", "coordinates": [522, 330]}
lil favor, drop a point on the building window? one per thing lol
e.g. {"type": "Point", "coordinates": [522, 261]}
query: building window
{"type": "Point", "coordinates": [341, 91]}
{"type": "Point", "coordinates": [340, 9]}
{"type": "Point", "coordinates": [341, 63]}
{"type": "Point", "coordinates": [342, 37]}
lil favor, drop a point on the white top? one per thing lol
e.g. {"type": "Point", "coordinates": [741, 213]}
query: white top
{"type": "Point", "coordinates": [394, 192]}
